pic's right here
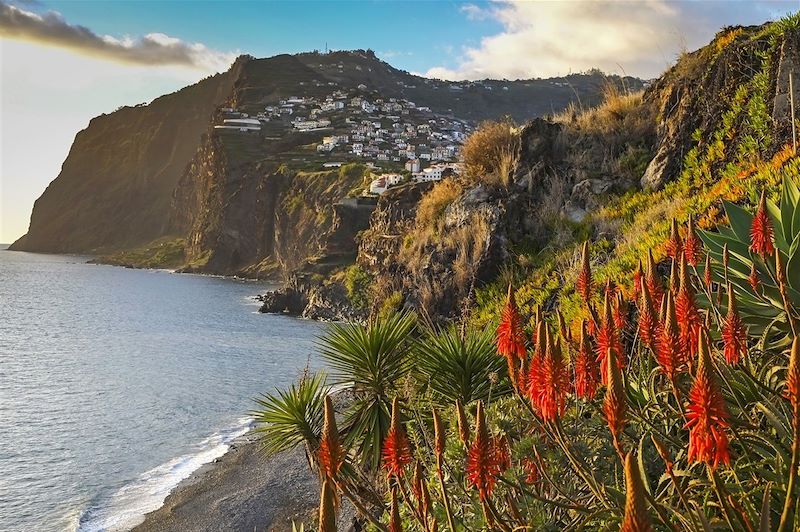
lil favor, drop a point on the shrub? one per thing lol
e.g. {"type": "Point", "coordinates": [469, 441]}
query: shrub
{"type": "Point", "coordinates": [460, 365]}
{"type": "Point", "coordinates": [357, 284]}
{"type": "Point", "coordinates": [432, 205]}
{"type": "Point", "coordinates": [391, 305]}
{"type": "Point", "coordinates": [491, 153]}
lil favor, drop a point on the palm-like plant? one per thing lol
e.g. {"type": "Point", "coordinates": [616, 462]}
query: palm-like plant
{"type": "Point", "coordinates": [460, 366]}
{"type": "Point", "coordinates": [294, 416]}
{"type": "Point", "coordinates": [762, 306]}
{"type": "Point", "coordinates": [373, 359]}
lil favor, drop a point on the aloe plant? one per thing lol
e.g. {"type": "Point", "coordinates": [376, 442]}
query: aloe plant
{"type": "Point", "coordinates": [373, 359]}
{"type": "Point", "coordinates": [458, 366]}
{"type": "Point", "coordinates": [763, 309]}
{"type": "Point", "coordinates": [294, 416]}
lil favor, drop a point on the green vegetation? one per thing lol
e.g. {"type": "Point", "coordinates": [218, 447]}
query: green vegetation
{"type": "Point", "coordinates": [391, 305]}
{"type": "Point", "coordinates": [732, 162]}
{"type": "Point", "coordinates": [460, 365]}
{"type": "Point", "coordinates": [357, 284]}
{"type": "Point", "coordinates": [602, 404]}
{"type": "Point", "coordinates": [761, 301]}
{"type": "Point", "coordinates": [167, 252]}
{"type": "Point", "coordinates": [691, 436]}
{"type": "Point", "coordinates": [373, 360]}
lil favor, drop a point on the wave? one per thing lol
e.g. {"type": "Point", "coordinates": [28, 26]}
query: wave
{"type": "Point", "coordinates": [126, 508]}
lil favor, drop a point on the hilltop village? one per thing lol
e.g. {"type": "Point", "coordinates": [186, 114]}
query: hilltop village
{"type": "Point", "coordinates": [398, 140]}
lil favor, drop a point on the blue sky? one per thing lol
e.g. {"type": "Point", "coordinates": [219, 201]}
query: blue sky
{"type": "Point", "coordinates": [64, 62]}
{"type": "Point", "coordinates": [413, 35]}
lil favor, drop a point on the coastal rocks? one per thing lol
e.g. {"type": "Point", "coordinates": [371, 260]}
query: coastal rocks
{"type": "Point", "coordinates": [436, 267]}
{"type": "Point", "coordinates": [310, 297]}
{"type": "Point", "coordinates": [284, 301]}
{"type": "Point", "coordinates": [329, 302]}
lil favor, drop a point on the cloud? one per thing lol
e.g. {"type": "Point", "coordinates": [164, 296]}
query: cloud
{"type": "Point", "coordinates": [551, 38]}
{"type": "Point", "coordinates": [474, 12]}
{"type": "Point", "coordinates": [152, 49]}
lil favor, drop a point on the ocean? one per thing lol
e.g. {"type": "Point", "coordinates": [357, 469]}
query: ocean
{"type": "Point", "coordinates": [116, 384]}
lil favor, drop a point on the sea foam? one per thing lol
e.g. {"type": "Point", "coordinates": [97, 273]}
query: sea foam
{"type": "Point", "coordinates": [126, 508]}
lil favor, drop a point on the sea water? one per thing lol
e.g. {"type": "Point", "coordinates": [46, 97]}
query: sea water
{"type": "Point", "coordinates": [116, 384]}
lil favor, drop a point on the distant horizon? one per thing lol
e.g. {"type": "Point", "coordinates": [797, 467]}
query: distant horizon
{"type": "Point", "coordinates": [114, 54]}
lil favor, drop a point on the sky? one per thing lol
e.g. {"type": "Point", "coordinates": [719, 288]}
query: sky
{"type": "Point", "coordinates": [62, 63]}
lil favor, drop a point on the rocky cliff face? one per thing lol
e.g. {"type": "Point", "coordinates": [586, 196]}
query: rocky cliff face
{"type": "Point", "coordinates": [693, 97]}
{"type": "Point", "coordinates": [258, 220]}
{"type": "Point", "coordinates": [126, 183]}
{"type": "Point", "coordinates": [709, 115]}
{"type": "Point", "coordinates": [115, 186]}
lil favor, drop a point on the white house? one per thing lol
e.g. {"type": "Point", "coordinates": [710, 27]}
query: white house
{"type": "Point", "coordinates": [378, 186]}
{"type": "Point", "coordinates": [432, 173]}
{"type": "Point", "coordinates": [412, 165]}
{"type": "Point", "coordinates": [392, 179]}
{"type": "Point", "coordinates": [240, 124]}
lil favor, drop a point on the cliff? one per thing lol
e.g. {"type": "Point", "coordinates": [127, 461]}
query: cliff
{"type": "Point", "coordinates": [159, 176]}
{"type": "Point", "coordinates": [715, 126]}
{"type": "Point", "coordinates": [114, 189]}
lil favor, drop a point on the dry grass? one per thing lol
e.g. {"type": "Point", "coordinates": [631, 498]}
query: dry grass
{"type": "Point", "coordinates": [470, 241]}
{"type": "Point", "coordinates": [491, 153]}
{"type": "Point", "coordinates": [621, 113]}
{"type": "Point", "coordinates": [432, 205]}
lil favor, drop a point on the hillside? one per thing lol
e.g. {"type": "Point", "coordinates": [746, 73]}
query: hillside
{"type": "Point", "coordinates": [715, 126]}
{"type": "Point", "coordinates": [159, 185]}
{"type": "Point", "coordinates": [115, 186]}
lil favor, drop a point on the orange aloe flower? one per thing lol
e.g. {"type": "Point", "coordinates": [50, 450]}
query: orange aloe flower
{"type": "Point", "coordinates": [586, 371]}
{"type": "Point", "coordinates": [531, 470]}
{"type": "Point", "coordinates": [636, 518]}
{"type": "Point", "coordinates": [692, 246]}
{"type": "Point", "coordinates": [734, 334]}
{"type": "Point", "coordinates": [707, 273]}
{"type": "Point", "coordinates": [511, 335]}
{"type": "Point", "coordinates": [439, 434]}
{"type": "Point", "coordinates": [331, 455]}
{"type": "Point", "coordinates": [553, 381]}
{"type": "Point", "coordinates": [792, 392]}
{"type": "Point", "coordinates": [670, 354]}
{"type": "Point", "coordinates": [614, 404]}
{"type": "Point", "coordinates": [584, 284]}
{"type": "Point", "coordinates": [608, 338]}
{"type": "Point", "coordinates": [761, 232]}
{"type": "Point", "coordinates": [652, 279]}
{"type": "Point", "coordinates": [648, 319]}
{"type": "Point", "coordinates": [502, 452]}
{"type": "Point", "coordinates": [674, 245]}
{"type": "Point", "coordinates": [482, 460]}
{"type": "Point", "coordinates": [688, 315]}
{"type": "Point", "coordinates": [533, 379]}
{"type": "Point", "coordinates": [396, 448]}
{"type": "Point", "coordinates": [706, 413]}
{"type": "Point", "coordinates": [755, 283]}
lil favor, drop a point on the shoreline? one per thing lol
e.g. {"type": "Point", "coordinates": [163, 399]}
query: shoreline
{"type": "Point", "coordinates": [242, 490]}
